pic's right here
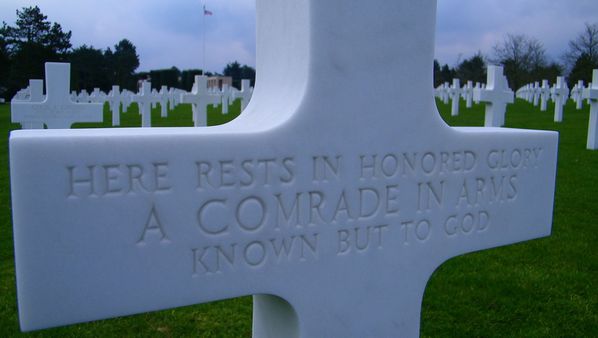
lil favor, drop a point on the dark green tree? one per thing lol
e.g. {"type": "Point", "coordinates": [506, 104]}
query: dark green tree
{"type": "Point", "coordinates": [582, 70]}
{"type": "Point", "coordinates": [124, 63]}
{"type": "Point", "coordinates": [472, 69]}
{"type": "Point", "coordinates": [584, 47]}
{"type": "Point", "coordinates": [188, 77]}
{"type": "Point", "coordinates": [165, 77]}
{"type": "Point", "coordinates": [89, 69]}
{"type": "Point", "coordinates": [238, 73]}
{"type": "Point", "coordinates": [31, 43]}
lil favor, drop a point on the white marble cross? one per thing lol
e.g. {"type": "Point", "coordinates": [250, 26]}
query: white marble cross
{"type": "Point", "coordinates": [455, 94]}
{"type": "Point", "coordinates": [592, 94]}
{"type": "Point", "coordinates": [468, 94]}
{"type": "Point", "coordinates": [115, 99]}
{"type": "Point", "coordinates": [560, 95]}
{"type": "Point", "coordinates": [35, 94]}
{"type": "Point", "coordinates": [245, 93]}
{"type": "Point", "coordinates": [56, 111]}
{"type": "Point", "coordinates": [544, 95]}
{"type": "Point", "coordinates": [577, 95]}
{"type": "Point", "coordinates": [536, 90]}
{"type": "Point", "coordinates": [225, 96]}
{"type": "Point", "coordinates": [163, 99]}
{"type": "Point", "coordinates": [200, 98]}
{"type": "Point", "coordinates": [145, 99]}
{"type": "Point", "coordinates": [333, 210]}
{"type": "Point", "coordinates": [496, 95]}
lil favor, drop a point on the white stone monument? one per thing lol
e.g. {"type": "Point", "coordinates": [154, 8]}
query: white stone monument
{"type": "Point", "coordinates": [496, 95]}
{"type": "Point", "coordinates": [56, 111]}
{"type": "Point", "coordinates": [544, 95]}
{"type": "Point", "coordinates": [35, 93]}
{"type": "Point", "coordinates": [145, 99]}
{"type": "Point", "coordinates": [115, 99]}
{"type": "Point", "coordinates": [455, 94]}
{"type": "Point", "coordinates": [245, 93]}
{"type": "Point", "coordinates": [592, 94]}
{"type": "Point", "coordinates": [163, 99]}
{"type": "Point", "coordinates": [333, 210]}
{"type": "Point", "coordinates": [560, 95]}
{"type": "Point", "coordinates": [200, 98]}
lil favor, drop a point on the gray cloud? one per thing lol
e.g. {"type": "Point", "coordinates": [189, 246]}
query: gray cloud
{"type": "Point", "coordinates": [170, 33]}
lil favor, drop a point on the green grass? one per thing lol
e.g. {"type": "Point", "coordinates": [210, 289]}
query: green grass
{"type": "Point", "coordinates": [541, 288]}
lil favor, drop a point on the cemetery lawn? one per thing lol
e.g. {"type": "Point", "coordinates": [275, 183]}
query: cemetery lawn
{"type": "Point", "coordinates": [545, 287]}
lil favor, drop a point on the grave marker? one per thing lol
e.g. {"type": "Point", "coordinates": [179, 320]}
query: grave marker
{"type": "Point", "coordinates": [56, 111]}
{"type": "Point", "coordinates": [544, 95]}
{"type": "Point", "coordinates": [560, 94]}
{"type": "Point", "coordinates": [455, 94]}
{"type": "Point", "coordinates": [335, 219]}
{"type": "Point", "coordinates": [592, 94]}
{"type": "Point", "coordinates": [145, 99]}
{"type": "Point", "coordinates": [200, 98]}
{"type": "Point", "coordinates": [115, 99]}
{"type": "Point", "coordinates": [36, 94]}
{"type": "Point", "coordinates": [496, 95]}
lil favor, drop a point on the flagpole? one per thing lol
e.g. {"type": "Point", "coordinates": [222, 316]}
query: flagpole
{"type": "Point", "coordinates": [204, 38]}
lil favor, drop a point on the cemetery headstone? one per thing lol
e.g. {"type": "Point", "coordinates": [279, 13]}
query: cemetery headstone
{"type": "Point", "coordinates": [496, 95]}
{"type": "Point", "coordinates": [332, 217]}
{"type": "Point", "coordinates": [35, 94]}
{"type": "Point", "coordinates": [544, 95]}
{"type": "Point", "coordinates": [592, 94]}
{"type": "Point", "coordinates": [200, 98]}
{"type": "Point", "coordinates": [163, 98]}
{"type": "Point", "coordinates": [455, 94]}
{"type": "Point", "coordinates": [114, 101]}
{"type": "Point", "coordinates": [56, 111]}
{"type": "Point", "coordinates": [145, 99]}
{"type": "Point", "coordinates": [560, 94]}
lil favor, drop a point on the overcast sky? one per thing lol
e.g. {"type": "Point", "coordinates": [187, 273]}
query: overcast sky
{"type": "Point", "coordinates": [169, 32]}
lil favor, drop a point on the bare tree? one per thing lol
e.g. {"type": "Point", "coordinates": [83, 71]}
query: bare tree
{"type": "Point", "coordinates": [522, 56]}
{"type": "Point", "coordinates": [586, 43]}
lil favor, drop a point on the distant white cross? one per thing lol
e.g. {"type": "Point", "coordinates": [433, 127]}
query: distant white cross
{"type": "Point", "coordinates": [560, 94]}
{"type": "Point", "coordinates": [114, 101]}
{"type": "Point", "coordinates": [496, 95]}
{"type": "Point", "coordinates": [200, 98]}
{"type": "Point", "coordinates": [163, 98]}
{"type": "Point", "coordinates": [455, 94]}
{"type": "Point", "coordinates": [592, 93]}
{"type": "Point", "coordinates": [57, 111]}
{"type": "Point", "coordinates": [544, 95]}
{"type": "Point", "coordinates": [145, 99]}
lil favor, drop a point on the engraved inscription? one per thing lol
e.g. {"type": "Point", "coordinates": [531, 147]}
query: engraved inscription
{"type": "Point", "coordinates": [249, 212]}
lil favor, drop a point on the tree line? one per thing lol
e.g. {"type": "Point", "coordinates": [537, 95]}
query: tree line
{"type": "Point", "coordinates": [525, 60]}
{"type": "Point", "coordinates": [33, 40]}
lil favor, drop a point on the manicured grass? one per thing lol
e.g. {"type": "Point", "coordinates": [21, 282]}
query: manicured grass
{"type": "Point", "coordinates": [546, 287]}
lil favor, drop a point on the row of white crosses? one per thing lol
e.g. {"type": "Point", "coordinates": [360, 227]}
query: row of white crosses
{"type": "Point", "coordinates": [559, 94]}
{"type": "Point", "coordinates": [454, 93]}
{"type": "Point", "coordinates": [33, 110]}
{"type": "Point", "coordinates": [495, 93]}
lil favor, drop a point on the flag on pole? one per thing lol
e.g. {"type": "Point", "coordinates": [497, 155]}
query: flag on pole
{"type": "Point", "coordinates": [206, 12]}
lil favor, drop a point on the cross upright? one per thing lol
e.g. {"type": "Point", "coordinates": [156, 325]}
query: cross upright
{"type": "Point", "coordinates": [145, 99]}
{"type": "Point", "coordinates": [578, 95]}
{"type": "Point", "coordinates": [163, 98]}
{"type": "Point", "coordinates": [200, 98]}
{"type": "Point", "coordinates": [115, 99]}
{"type": "Point", "coordinates": [245, 93]}
{"type": "Point", "coordinates": [544, 95]}
{"type": "Point", "coordinates": [57, 111]}
{"type": "Point", "coordinates": [592, 95]}
{"type": "Point", "coordinates": [455, 94]}
{"type": "Point", "coordinates": [334, 211]}
{"type": "Point", "coordinates": [496, 95]}
{"type": "Point", "coordinates": [468, 94]}
{"type": "Point", "coordinates": [225, 95]}
{"type": "Point", "coordinates": [560, 95]}
{"type": "Point", "coordinates": [36, 94]}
